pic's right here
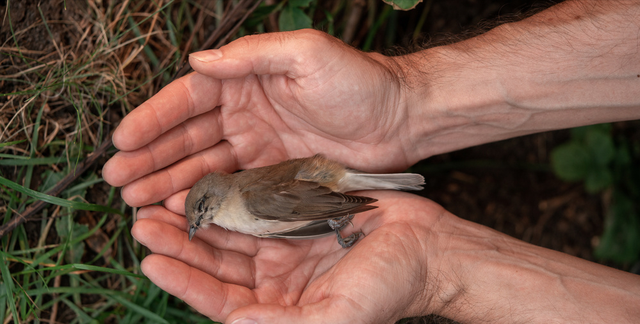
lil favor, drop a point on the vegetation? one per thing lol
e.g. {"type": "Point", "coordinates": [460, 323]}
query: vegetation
{"type": "Point", "coordinates": [608, 167]}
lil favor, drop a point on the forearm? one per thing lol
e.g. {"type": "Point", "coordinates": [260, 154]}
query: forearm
{"type": "Point", "coordinates": [487, 276]}
{"type": "Point", "coordinates": [571, 65]}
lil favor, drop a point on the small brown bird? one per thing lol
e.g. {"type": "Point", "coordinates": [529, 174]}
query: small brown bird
{"type": "Point", "coordinates": [299, 198]}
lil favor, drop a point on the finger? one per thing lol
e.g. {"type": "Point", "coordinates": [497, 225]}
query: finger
{"type": "Point", "coordinates": [226, 266]}
{"type": "Point", "coordinates": [273, 53]}
{"type": "Point", "coordinates": [192, 136]}
{"type": "Point", "coordinates": [206, 294]}
{"type": "Point", "coordinates": [182, 99]}
{"type": "Point", "coordinates": [181, 175]}
{"type": "Point", "coordinates": [175, 202]}
{"type": "Point", "coordinates": [161, 214]}
{"type": "Point", "coordinates": [212, 235]}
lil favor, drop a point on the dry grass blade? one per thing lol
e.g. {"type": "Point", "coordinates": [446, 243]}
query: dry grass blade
{"type": "Point", "coordinates": [233, 20]}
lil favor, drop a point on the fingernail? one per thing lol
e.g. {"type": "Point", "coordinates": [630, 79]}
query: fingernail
{"type": "Point", "coordinates": [207, 56]}
{"type": "Point", "coordinates": [244, 320]}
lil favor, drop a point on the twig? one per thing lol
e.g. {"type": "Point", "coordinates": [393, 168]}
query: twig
{"type": "Point", "coordinates": [55, 191]}
{"type": "Point", "coordinates": [352, 21]}
{"type": "Point", "coordinates": [54, 309]}
{"type": "Point", "coordinates": [45, 233]}
{"type": "Point", "coordinates": [9, 318]}
{"type": "Point", "coordinates": [272, 21]}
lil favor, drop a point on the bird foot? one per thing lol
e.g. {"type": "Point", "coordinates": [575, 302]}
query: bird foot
{"type": "Point", "coordinates": [338, 224]}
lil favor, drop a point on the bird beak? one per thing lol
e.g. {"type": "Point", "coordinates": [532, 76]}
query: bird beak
{"type": "Point", "coordinates": [192, 231]}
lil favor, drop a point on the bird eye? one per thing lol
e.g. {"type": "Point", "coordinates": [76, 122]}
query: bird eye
{"type": "Point", "coordinates": [201, 206]}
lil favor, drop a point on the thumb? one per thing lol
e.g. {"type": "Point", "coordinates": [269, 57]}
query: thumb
{"type": "Point", "coordinates": [294, 54]}
{"type": "Point", "coordinates": [321, 312]}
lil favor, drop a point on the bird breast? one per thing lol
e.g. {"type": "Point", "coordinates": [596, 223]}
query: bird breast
{"type": "Point", "coordinates": [234, 216]}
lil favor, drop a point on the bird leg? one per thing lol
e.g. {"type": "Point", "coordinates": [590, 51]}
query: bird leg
{"type": "Point", "coordinates": [338, 224]}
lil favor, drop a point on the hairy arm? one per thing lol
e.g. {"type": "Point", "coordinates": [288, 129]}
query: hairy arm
{"type": "Point", "coordinates": [571, 65]}
{"type": "Point", "coordinates": [574, 64]}
{"type": "Point", "coordinates": [487, 276]}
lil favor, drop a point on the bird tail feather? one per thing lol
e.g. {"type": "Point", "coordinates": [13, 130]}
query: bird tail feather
{"type": "Point", "coordinates": [395, 181]}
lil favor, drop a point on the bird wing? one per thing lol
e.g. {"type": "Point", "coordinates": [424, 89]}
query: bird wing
{"type": "Point", "coordinates": [315, 229]}
{"type": "Point", "coordinates": [299, 200]}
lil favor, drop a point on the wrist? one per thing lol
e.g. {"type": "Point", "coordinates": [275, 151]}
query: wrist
{"type": "Point", "coordinates": [482, 275]}
{"type": "Point", "coordinates": [571, 65]}
{"type": "Point", "coordinates": [396, 107]}
{"type": "Point", "coordinates": [425, 228]}
{"type": "Point", "coordinates": [454, 98]}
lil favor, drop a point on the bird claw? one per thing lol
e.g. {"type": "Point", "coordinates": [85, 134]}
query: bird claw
{"type": "Point", "coordinates": [338, 224]}
{"type": "Point", "coordinates": [350, 240]}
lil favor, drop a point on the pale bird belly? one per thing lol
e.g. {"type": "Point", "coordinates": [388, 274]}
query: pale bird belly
{"type": "Point", "coordinates": [239, 219]}
{"type": "Point", "coordinates": [249, 224]}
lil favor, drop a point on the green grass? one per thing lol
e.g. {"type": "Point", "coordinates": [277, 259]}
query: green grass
{"type": "Point", "coordinates": [76, 261]}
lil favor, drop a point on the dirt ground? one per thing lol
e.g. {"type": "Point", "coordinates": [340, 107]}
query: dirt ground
{"type": "Point", "coordinates": [499, 186]}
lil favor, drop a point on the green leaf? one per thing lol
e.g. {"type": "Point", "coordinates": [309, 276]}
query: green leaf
{"type": "Point", "coordinates": [33, 161]}
{"type": "Point", "coordinates": [3, 302]}
{"type": "Point", "coordinates": [56, 200]}
{"type": "Point", "coordinates": [620, 241]}
{"type": "Point", "coordinates": [570, 161]}
{"type": "Point", "coordinates": [293, 18]}
{"type": "Point", "coordinates": [623, 156]}
{"type": "Point", "coordinates": [140, 310]}
{"type": "Point", "coordinates": [74, 255]}
{"type": "Point", "coordinates": [299, 3]}
{"type": "Point", "coordinates": [80, 314]}
{"type": "Point", "coordinates": [260, 14]}
{"type": "Point", "coordinates": [580, 133]}
{"type": "Point", "coordinates": [81, 188]}
{"type": "Point", "coordinates": [597, 180]}
{"type": "Point", "coordinates": [53, 251]}
{"type": "Point", "coordinates": [62, 227]}
{"type": "Point", "coordinates": [601, 146]}
{"type": "Point", "coordinates": [11, 143]}
{"type": "Point", "coordinates": [8, 287]}
{"type": "Point", "coordinates": [403, 4]}
{"type": "Point", "coordinates": [73, 267]}
{"type": "Point", "coordinates": [50, 179]}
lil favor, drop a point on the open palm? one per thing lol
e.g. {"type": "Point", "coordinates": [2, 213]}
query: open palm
{"type": "Point", "coordinates": [227, 275]}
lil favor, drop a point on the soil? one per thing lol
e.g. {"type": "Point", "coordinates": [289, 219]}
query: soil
{"type": "Point", "coordinates": [495, 188]}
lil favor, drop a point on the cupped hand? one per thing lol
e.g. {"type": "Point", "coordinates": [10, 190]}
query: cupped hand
{"type": "Point", "coordinates": [229, 276]}
{"type": "Point", "coordinates": [261, 100]}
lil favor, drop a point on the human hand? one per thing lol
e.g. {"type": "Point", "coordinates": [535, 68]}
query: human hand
{"type": "Point", "coordinates": [415, 259]}
{"type": "Point", "coordinates": [269, 98]}
{"type": "Point", "coordinates": [228, 276]}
